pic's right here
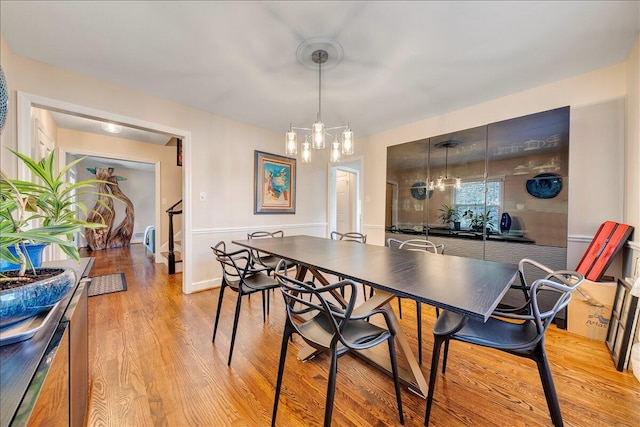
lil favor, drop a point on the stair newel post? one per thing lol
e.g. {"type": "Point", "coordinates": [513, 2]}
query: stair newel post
{"type": "Point", "coordinates": [171, 256]}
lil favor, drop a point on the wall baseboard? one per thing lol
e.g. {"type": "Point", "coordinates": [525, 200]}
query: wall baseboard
{"type": "Point", "coordinates": [206, 285]}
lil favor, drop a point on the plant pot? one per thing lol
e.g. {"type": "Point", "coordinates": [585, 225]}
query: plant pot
{"type": "Point", "coordinates": [24, 301]}
{"type": "Point", "coordinates": [456, 225]}
{"type": "Point", "coordinates": [33, 254]}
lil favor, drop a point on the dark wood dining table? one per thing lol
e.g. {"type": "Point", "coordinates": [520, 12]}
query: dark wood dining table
{"type": "Point", "coordinates": [467, 286]}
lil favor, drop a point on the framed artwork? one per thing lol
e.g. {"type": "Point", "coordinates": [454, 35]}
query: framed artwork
{"type": "Point", "coordinates": [179, 153]}
{"type": "Point", "coordinates": [275, 184]}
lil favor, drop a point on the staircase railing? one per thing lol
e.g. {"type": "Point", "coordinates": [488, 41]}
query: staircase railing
{"type": "Point", "coordinates": [171, 256]}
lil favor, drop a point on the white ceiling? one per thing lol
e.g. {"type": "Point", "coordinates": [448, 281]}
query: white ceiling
{"type": "Point", "coordinates": [82, 124]}
{"type": "Point", "coordinates": [403, 61]}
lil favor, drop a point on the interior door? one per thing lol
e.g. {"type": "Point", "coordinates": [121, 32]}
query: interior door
{"type": "Point", "coordinates": [344, 222]}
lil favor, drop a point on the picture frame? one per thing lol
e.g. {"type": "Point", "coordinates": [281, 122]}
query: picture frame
{"type": "Point", "coordinates": [179, 152]}
{"type": "Point", "coordinates": [274, 184]}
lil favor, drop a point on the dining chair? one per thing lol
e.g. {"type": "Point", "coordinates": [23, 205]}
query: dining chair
{"type": "Point", "coordinates": [350, 236]}
{"type": "Point", "coordinates": [518, 334]}
{"type": "Point", "coordinates": [528, 271]}
{"type": "Point", "coordinates": [241, 276]}
{"type": "Point", "coordinates": [332, 329]}
{"type": "Point", "coordinates": [266, 260]}
{"type": "Point", "coordinates": [420, 245]}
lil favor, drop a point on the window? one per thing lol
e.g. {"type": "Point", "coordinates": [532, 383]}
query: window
{"type": "Point", "coordinates": [471, 198]}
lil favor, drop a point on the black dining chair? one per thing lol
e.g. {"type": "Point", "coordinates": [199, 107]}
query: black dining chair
{"type": "Point", "coordinates": [266, 260]}
{"type": "Point", "coordinates": [332, 329]}
{"type": "Point", "coordinates": [518, 297]}
{"type": "Point", "coordinates": [518, 334]}
{"type": "Point", "coordinates": [420, 245]}
{"type": "Point", "coordinates": [241, 276]}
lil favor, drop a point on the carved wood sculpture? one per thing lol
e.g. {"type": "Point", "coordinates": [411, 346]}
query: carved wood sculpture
{"type": "Point", "coordinates": [102, 212]}
{"type": "Point", "coordinates": [121, 235]}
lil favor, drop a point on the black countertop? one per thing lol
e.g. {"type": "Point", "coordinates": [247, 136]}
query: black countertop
{"type": "Point", "coordinates": [460, 234]}
{"type": "Point", "coordinates": [19, 361]}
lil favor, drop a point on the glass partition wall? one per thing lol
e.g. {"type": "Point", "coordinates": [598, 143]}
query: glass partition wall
{"type": "Point", "coordinates": [496, 192]}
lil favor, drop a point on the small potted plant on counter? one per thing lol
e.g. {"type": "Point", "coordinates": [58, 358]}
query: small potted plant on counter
{"type": "Point", "coordinates": [477, 221]}
{"type": "Point", "coordinates": [43, 212]}
{"type": "Point", "coordinates": [449, 215]}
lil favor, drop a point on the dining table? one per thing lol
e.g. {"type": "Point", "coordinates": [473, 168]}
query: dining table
{"type": "Point", "coordinates": [468, 286]}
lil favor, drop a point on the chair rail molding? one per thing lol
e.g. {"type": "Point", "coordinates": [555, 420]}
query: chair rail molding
{"type": "Point", "coordinates": [246, 228]}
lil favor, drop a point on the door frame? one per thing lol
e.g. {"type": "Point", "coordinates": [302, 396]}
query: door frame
{"type": "Point", "coordinates": [355, 166]}
{"type": "Point", "coordinates": [25, 101]}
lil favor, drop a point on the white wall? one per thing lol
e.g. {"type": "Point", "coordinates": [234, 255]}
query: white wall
{"type": "Point", "coordinates": [222, 151]}
{"type": "Point", "coordinates": [221, 163]}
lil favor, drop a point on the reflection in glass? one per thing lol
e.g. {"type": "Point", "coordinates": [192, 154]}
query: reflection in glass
{"type": "Point", "coordinates": [504, 182]}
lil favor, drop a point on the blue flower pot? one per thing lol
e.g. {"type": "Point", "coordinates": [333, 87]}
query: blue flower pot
{"type": "Point", "coordinates": [33, 254]}
{"type": "Point", "coordinates": [27, 300]}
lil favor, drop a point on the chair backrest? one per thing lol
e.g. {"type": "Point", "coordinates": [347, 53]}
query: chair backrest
{"type": "Point", "coordinates": [394, 243]}
{"type": "Point", "coordinates": [351, 236]}
{"type": "Point", "coordinates": [264, 234]}
{"type": "Point", "coordinates": [422, 245]}
{"type": "Point", "coordinates": [562, 283]}
{"type": "Point", "coordinates": [564, 291]}
{"type": "Point", "coordinates": [235, 265]}
{"type": "Point", "coordinates": [305, 300]}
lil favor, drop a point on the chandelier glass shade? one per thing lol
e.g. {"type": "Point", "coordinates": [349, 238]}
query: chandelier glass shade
{"type": "Point", "coordinates": [443, 181]}
{"type": "Point", "coordinates": [316, 136]}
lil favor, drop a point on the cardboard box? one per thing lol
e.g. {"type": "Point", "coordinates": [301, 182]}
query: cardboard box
{"type": "Point", "coordinates": [589, 311]}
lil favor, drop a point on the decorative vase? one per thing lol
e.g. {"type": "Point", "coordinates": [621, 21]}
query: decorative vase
{"type": "Point", "coordinates": [33, 254]}
{"type": "Point", "coordinates": [24, 301]}
{"type": "Point", "coordinates": [505, 223]}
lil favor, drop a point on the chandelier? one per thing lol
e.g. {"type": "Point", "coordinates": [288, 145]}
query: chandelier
{"type": "Point", "coordinates": [444, 181]}
{"type": "Point", "coordinates": [315, 137]}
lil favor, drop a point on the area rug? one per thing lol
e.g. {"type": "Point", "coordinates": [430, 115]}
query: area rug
{"type": "Point", "coordinates": [107, 284]}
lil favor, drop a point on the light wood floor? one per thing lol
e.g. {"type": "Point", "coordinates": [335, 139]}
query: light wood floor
{"type": "Point", "coordinates": [152, 363]}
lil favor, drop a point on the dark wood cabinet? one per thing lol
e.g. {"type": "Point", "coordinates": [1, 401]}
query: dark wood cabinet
{"type": "Point", "coordinates": [51, 406]}
{"type": "Point", "coordinates": [45, 379]}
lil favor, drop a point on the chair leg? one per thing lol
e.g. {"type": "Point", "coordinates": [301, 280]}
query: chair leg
{"type": "Point", "coordinates": [396, 377]}
{"type": "Point", "coordinates": [437, 344]}
{"type": "Point", "coordinates": [419, 320]}
{"type": "Point", "coordinates": [286, 336]}
{"type": "Point", "coordinates": [399, 307]}
{"type": "Point", "coordinates": [235, 327]}
{"type": "Point", "coordinates": [215, 325]}
{"type": "Point", "coordinates": [331, 388]}
{"type": "Point", "coordinates": [446, 355]}
{"type": "Point", "coordinates": [540, 356]}
{"type": "Point", "coordinates": [268, 302]}
{"type": "Point", "coordinates": [264, 307]}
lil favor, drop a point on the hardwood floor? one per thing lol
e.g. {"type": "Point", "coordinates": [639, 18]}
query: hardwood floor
{"type": "Point", "coordinates": [152, 363]}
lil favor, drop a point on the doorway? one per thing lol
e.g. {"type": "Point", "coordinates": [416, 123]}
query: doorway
{"type": "Point", "coordinates": [345, 189]}
{"type": "Point", "coordinates": [25, 131]}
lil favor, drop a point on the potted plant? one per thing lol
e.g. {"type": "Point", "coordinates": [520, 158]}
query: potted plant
{"type": "Point", "coordinates": [33, 213]}
{"type": "Point", "coordinates": [449, 215]}
{"type": "Point", "coordinates": [477, 221]}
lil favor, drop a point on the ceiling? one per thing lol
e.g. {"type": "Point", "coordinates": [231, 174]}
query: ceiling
{"type": "Point", "coordinates": [83, 124]}
{"type": "Point", "coordinates": [403, 61]}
